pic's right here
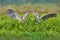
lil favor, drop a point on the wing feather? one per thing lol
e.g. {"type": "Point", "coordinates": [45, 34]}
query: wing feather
{"type": "Point", "coordinates": [13, 14]}
{"type": "Point", "coordinates": [46, 16]}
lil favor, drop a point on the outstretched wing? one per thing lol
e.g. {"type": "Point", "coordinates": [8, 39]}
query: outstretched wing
{"type": "Point", "coordinates": [24, 16]}
{"type": "Point", "coordinates": [13, 14]}
{"type": "Point", "coordinates": [46, 16]}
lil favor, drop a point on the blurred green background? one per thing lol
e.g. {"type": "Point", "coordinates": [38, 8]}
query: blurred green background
{"type": "Point", "coordinates": [19, 2]}
{"type": "Point", "coordinates": [11, 29]}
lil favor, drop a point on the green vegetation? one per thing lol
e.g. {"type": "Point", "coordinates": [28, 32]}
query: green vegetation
{"type": "Point", "coordinates": [11, 29]}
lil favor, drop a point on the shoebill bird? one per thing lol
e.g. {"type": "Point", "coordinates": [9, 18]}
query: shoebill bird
{"type": "Point", "coordinates": [14, 15]}
{"type": "Point", "coordinates": [44, 17]}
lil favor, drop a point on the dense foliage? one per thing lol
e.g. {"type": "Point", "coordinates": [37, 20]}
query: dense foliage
{"type": "Point", "coordinates": [12, 29]}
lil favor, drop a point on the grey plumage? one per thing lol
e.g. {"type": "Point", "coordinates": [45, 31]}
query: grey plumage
{"type": "Point", "coordinates": [13, 14]}
{"type": "Point", "coordinates": [44, 17]}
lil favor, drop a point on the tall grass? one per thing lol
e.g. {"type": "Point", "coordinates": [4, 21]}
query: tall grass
{"type": "Point", "coordinates": [11, 29]}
